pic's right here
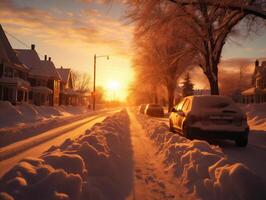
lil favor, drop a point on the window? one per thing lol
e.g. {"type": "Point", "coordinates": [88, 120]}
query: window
{"type": "Point", "coordinates": [8, 72]}
{"type": "Point", "coordinates": [186, 105]}
{"type": "Point", "coordinates": [180, 105]}
{"type": "Point", "coordinates": [1, 70]}
{"type": "Point", "coordinates": [30, 95]}
{"type": "Point", "coordinates": [20, 96]}
{"type": "Point", "coordinates": [1, 91]}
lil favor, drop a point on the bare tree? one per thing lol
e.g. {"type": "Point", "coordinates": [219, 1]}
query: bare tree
{"type": "Point", "coordinates": [206, 25]}
{"type": "Point", "coordinates": [81, 81]}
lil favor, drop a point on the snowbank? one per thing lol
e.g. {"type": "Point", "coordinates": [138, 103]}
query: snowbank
{"type": "Point", "coordinates": [21, 114]}
{"type": "Point", "coordinates": [25, 120]}
{"type": "Point", "coordinates": [256, 114]}
{"type": "Point", "coordinates": [203, 168]}
{"type": "Point", "coordinates": [90, 167]}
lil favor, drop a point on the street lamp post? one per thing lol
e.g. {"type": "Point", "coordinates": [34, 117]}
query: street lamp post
{"type": "Point", "coordinates": [94, 78]}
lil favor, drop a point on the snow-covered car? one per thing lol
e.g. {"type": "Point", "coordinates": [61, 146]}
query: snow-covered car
{"type": "Point", "coordinates": [154, 110]}
{"type": "Point", "coordinates": [210, 116]}
{"type": "Point", "coordinates": [142, 108]}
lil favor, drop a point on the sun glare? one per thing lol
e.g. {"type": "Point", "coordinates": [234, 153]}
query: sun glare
{"type": "Point", "coordinates": [113, 85]}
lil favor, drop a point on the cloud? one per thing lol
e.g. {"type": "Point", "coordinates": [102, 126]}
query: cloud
{"type": "Point", "coordinates": [230, 78]}
{"type": "Point", "coordinates": [89, 26]}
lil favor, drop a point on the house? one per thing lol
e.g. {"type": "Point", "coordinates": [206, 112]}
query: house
{"type": "Point", "coordinates": [54, 79]}
{"type": "Point", "coordinates": [14, 86]}
{"type": "Point", "coordinates": [40, 94]}
{"type": "Point", "coordinates": [257, 93]}
{"type": "Point", "coordinates": [68, 96]}
{"type": "Point", "coordinates": [201, 92]}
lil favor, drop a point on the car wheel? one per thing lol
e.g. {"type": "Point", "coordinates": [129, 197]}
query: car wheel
{"type": "Point", "coordinates": [242, 141]}
{"type": "Point", "coordinates": [171, 127]}
{"type": "Point", "coordinates": [186, 131]}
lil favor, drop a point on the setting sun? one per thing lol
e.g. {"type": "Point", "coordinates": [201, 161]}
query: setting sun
{"type": "Point", "coordinates": [113, 85]}
{"type": "Point", "coordinates": [115, 91]}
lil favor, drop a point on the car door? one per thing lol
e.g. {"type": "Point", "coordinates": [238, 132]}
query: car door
{"type": "Point", "coordinates": [185, 109]}
{"type": "Point", "coordinates": [180, 114]}
{"type": "Point", "coordinates": [174, 116]}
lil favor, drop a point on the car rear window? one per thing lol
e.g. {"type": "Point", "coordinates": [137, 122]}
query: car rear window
{"type": "Point", "coordinates": [154, 105]}
{"type": "Point", "coordinates": [213, 102]}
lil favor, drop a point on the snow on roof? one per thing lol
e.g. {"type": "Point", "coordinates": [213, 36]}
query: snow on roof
{"type": "Point", "coordinates": [50, 69]}
{"type": "Point", "coordinates": [64, 73]}
{"type": "Point", "coordinates": [7, 53]}
{"type": "Point", "coordinates": [31, 59]}
{"type": "Point", "coordinates": [253, 90]}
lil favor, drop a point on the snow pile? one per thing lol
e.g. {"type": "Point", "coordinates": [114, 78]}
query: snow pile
{"type": "Point", "coordinates": [90, 167]}
{"type": "Point", "coordinates": [203, 168]}
{"type": "Point", "coordinates": [26, 120]}
{"type": "Point", "coordinates": [256, 114]}
{"type": "Point", "coordinates": [21, 114]}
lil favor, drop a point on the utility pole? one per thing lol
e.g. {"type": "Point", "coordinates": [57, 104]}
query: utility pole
{"type": "Point", "coordinates": [94, 79]}
{"type": "Point", "coordinates": [94, 82]}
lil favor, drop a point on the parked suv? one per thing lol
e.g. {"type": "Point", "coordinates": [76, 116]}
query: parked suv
{"type": "Point", "coordinates": [210, 117]}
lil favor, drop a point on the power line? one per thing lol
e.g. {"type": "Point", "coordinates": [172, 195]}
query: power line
{"type": "Point", "coordinates": [21, 42]}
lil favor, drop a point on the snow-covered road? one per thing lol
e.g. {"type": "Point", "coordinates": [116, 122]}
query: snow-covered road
{"type": "Point", "coordinates": [35, 146]}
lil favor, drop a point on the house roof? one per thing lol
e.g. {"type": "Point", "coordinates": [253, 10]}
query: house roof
{"type": "Point", "coordinates": [38, 67]}
{"type": "Point", "coordinates": [253, 90]}
{"type": "Point", "coordinates": [64, 73]}
{"type": "Point", "coordinates": [31, 59]}
{"type": "Point", "coordinates": [7, 54]}
{"type": "Point", "coordinates": [50, 69]}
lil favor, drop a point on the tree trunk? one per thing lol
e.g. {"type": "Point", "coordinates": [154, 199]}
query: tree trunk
{"type": "Point", "coordinates": [155, 96]}
{"type": "Point", "coordinates": [171, 96]}
{"type": "Point", "coordinates": [213, 85]}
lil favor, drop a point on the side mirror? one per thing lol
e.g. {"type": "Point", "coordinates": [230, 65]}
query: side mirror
{"type": "Point", "coordinates": [173, 110]}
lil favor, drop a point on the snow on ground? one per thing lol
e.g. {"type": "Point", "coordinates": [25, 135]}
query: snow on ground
{"type": "Point", "coordinates": [203, 168]}
{"type": "Point", "coordinates": [25, 120]}
{"type": "Point", "coordinates": [256, 114]}
{"type": "Point", "coordinates": [95, 166]}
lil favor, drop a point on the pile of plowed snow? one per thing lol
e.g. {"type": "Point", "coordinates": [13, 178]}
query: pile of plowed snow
{"type": "Point", "coordinates": [27, 120]}
{"type": "Point", "coordinates": [93, 166]}
{"type": "Point", "coordinates": [256, 114]}
{"type": "Point", "coordinates": [203, 168]}
{"type": "Point", "coordinates": [24, 113]}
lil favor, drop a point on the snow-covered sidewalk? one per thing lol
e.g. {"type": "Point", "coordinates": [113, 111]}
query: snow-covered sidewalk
{"type": "Point", "coordinates": [152, 180]}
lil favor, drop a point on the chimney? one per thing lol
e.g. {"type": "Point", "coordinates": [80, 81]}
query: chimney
{"type": "Point", "coordinates": [33, 47]}
{"type": "Point", "coordinates": [257, 63]}
{"type": "Point", "coordinates": [61, 67]}
{"type": "Point", "coordinates": [45, 57]}
{"type": "Point", "coordinates": [49, 58]}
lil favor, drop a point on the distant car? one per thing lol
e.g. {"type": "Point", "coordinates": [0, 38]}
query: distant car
{"type": "Point", "coordinates": [210, 117]}
{"type": "Point", "coordinates": [154, 110]}
{"type": "Point", "coordinates": [142, 108]}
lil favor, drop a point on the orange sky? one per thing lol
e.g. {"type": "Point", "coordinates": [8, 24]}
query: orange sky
{"type": "Point", "coordinates": [71, 32]}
